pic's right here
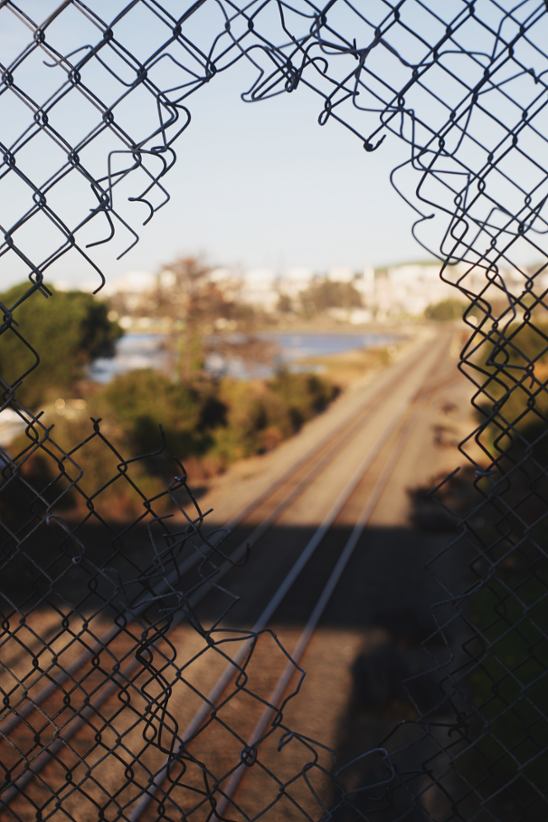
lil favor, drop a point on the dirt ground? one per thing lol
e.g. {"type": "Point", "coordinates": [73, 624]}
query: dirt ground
{"type": "Point", "coordinates": [368, 642]}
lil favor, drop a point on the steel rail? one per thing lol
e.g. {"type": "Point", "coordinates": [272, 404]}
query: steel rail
{"type": "Point", "coordinates": [232, 667]}
{"type": "Point", "coordinates": [306, 635]}
{"type": "Point", "coordinates": [349, 422]}
{"type": "Point", "coordinates": [342, 433]}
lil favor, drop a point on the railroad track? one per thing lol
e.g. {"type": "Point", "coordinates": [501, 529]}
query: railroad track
{"type": "Point", "coordinates": [230, 767]}
{"type": "Point", "coordinates": [52, 762]}
{"type": "Point", "coordinates": [264, 509]}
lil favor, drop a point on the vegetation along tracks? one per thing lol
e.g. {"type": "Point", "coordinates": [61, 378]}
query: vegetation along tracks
{"type": "Point", "coordinates": [43, 720]}
{"type": "Point", "coordinates": [275, 683]}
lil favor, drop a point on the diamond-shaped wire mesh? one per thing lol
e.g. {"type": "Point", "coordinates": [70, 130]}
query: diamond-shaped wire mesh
{"type": "Point", "coordinates": [116, 699]}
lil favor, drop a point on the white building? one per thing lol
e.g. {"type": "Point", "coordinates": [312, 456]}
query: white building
{"type": "Point", "coordinates": [229, 281]}
{"type": "Point", "coordinates": [259, 288]}
{"type": "Point", "coordinates": [405, 289]}
{"type": "Point", "coordinates": [294, 280]}
{"type": "Point", "coordinates": [131, 282]}
{"type": "Point", "coordinates": [341, 274]}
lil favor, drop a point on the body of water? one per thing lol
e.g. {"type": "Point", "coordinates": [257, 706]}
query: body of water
{"type": "Point", "coordinates": [301, 346]}
{"type": "Point", "coordinates": [287, 349]}
{"type": "Point", "coordinates": [132, 351]}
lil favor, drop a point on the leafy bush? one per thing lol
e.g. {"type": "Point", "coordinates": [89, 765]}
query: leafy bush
{"type": "Point", "coordinates": [517, 365]}
{"type": "Point", "coordinates": [246, 415]}
{"type": "Point", "coordinates": [68, 329]}
{"type": "Point", "coordinates": [324, 294]}
{"type": "Point", "coordinates": [252, 410]}
{"type": "Point", "coordinates": [209, 422]}
{"type": "Point", "coordinates": [141, 401]}
{"type": "Point", "coordinates": [77, 464]}
{"type": "Point", "coordinates": [261, 415]}
{"type": "Point", "coordinates": [304, 395]}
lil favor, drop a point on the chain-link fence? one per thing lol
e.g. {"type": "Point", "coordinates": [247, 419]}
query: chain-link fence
{"type": "Point", "coordinates": [120, 701]}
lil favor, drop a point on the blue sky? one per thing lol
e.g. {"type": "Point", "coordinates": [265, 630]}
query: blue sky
{"type": "Point", "coordinates": [259, 184]}
{"type": "Point", "coordinates": [264, 184]}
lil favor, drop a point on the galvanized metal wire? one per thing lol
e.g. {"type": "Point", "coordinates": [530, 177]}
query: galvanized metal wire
{"type": "Point", "coordinates": [461, 86]}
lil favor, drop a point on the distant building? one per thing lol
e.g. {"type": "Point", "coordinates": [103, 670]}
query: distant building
{"type": "Point", "coordinates": [341, 274]}
{"type": "Point", "coordinates": [259, 288]}
{"type": "Point", "coordinates": [387, 292]}
{"type": "Point", "coordinates": [229, 281]}
{"type": "Point", "coordinates": [130, 292]}
{"type": "Point", "coordinates": [294, 280]}
{"type": "Point", "coordinates": [405, 289]}
{"type": "Point", "coordinates": [364, 282]}
{"type": "Point", "coordinates": [131, 282]}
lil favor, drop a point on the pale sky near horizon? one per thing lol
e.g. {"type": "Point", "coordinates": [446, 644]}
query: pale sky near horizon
{"type": "Point", "coordinates": [257, 184]}
{"type": "Point", "coordinates": [264, 185]}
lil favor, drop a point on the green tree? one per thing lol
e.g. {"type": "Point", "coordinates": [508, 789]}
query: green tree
{"type": "Point", "coordinates": [324, 294]}
{"type": "Point", "coordinates": [188, 297]}
{"type": "Point", "coordinates": [52, 340]}
{"type": "Point", "coordinates": [284, 306]}
{"type": "Point", "coordinates": [304, 395]}
{"type": "Point", "coordinates": [142, 400]}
